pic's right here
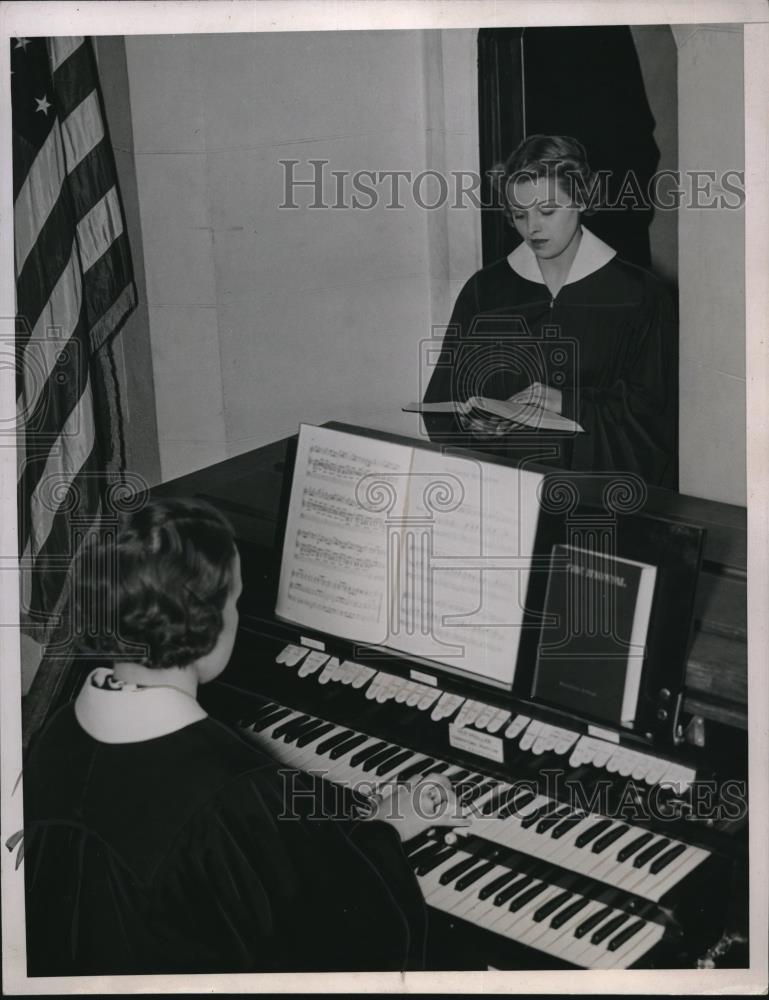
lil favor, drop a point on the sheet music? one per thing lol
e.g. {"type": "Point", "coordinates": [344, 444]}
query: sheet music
{"type": "Point", "coordinates": [410, 549]}
{"type": "Point", "coordinates": [471, 595]}
{"type": "Point", "coordinates": [334, 568]}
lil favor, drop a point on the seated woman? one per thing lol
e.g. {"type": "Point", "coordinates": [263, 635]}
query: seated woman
{"type": "Point", "coordinates": [564, 323]}
{"type": "Point", "coordinates": [156, 839]}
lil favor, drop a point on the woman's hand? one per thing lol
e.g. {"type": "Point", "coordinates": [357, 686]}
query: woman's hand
{"type": "Point", "coordinates": [538, 394]}
{"type": "Point", "coordinates": [413, 808]}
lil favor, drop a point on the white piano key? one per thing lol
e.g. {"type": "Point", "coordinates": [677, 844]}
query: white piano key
{"type": "Point", "coordinates": [498, 720]}
{"type": "Point", "coordinates": [517, 726]}
{"type": "Point", "coordinates": [485, 715]}
{"type": "Point", "coordinates": [360, 676]}
{"type": "Point", "coordinates": [291, 655]}
{"type": "Point", "coordinates": [448, 703]}
{"type": "Point", "coordinates": [428, 699]}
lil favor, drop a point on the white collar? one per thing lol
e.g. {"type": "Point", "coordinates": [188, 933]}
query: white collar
{"type": "Point", "coordinates": [126, 713]}
{"type": "Point", "coordinates": [591, 255]}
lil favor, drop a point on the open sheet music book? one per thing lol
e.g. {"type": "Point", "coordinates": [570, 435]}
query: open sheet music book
{"type": "Point", "coordinates": [522, 414]}
{"type": "Point", "coordinates": [410, 549]}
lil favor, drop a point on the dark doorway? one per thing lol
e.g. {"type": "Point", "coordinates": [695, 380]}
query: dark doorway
{"type": "Point", "coordinates": [585, 82]}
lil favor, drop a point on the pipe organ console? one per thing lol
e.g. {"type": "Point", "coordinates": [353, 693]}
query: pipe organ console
{"type": "Point", "coordinates": [590, 845]}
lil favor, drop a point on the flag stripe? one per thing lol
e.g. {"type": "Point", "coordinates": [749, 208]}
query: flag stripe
{"type": "Point", "coordinates": [81, 131]}
{"type": "Point", "coordinates": [87, 183]}
{"type": "Point", "coordinates": [100, 296]}
{"type": "Point", "coordinates": [91, 179]}
{"type": "Point", "coordinates": [61, 469]}
{"type": "Point", "coordinates": [98, 230]}
{"type": "Point", "coordinates": [113, 317]}
{"type": "Point", "coordinates": [74, 79]}
{"type": "Point", "coordinates": [38, 196]}
{"type": "Point", "coordinates": [48, 338]}
{"type": "Point", "coordinates": [62, 47]}
{"type": "Point", "coordinates": [47, 573]}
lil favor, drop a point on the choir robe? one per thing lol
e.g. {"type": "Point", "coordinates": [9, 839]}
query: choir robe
{"type": "Point", "coordinates": [617, 370]}
{"type": "Point", "coordinates": [157, 840]}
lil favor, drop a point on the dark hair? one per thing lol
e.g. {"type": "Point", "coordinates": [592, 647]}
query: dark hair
{"type": "Point", "coordinates": [152, 587]}
{"type": "Point", "coordinates": [558, 156]}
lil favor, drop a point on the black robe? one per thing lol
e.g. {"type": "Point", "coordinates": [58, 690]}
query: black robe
{"type": "Point", "coordinates": [607, 340]}
{"type": "Point", "coordinates": [178, 854]}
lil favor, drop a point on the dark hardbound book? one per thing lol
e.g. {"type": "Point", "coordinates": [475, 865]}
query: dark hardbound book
{"type": "Point", "coordinates": [591, 649]}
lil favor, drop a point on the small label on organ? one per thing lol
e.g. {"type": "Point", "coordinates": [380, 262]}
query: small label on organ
{"type": "Point", "coordinates": [417, 675]}
{"type": "Point", "coordinates": [482, 744]}
{"type": "Point", "coordinates": [603, 734]}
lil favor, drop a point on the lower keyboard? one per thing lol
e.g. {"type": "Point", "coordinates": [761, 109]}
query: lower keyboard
{"type": "Point", "coordinates": [569, 914]}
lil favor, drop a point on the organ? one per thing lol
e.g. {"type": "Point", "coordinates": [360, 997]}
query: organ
{"type": "Point", "coordinates": [590, 844]}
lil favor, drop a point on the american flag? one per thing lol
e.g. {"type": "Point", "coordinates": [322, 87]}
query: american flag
{"type": "Point", "coordinates": [74, 290]}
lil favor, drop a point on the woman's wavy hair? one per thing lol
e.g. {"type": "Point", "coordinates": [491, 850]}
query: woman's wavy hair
{"type": "Point", "coordinates": [151, 588]}
{"type": "Point", "coordinates": [558, 156]}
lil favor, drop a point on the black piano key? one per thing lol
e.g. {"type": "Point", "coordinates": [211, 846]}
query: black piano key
{"type": "Point", "coordinates": [437, 767]}
{"type": "Point", "coordinates": [496, 884]}
{"type": "Point", "coordinates": [334, 740]}
{"type": "Point", "coordinates": [635, 845]}
{"type": "Point", "coordinates": [526, 897]}
{"type": "Point", "coordinates": [342, 748]}
{"type": "Point", "coordinates": [538, 814]}
{"type": "Point", "coordinates": [384, 754]}
{"type": "Point", "coordinates": [551, 906]}
{"type": "Point", "coordinates": [566, 824]}
{"type": "Point", "coordinates": [314, 734]}
{"type": "Point", "coordinates": [547, 822]}
{"type": "Point", "coordinates": [608, 928]}
{"type": "Point", "coordinates": [421, 847]}
{"type": "Point", "coordinates": [367, 751]}
{"type": "Point", "coordinates": [286, 727]}
{"type": "Point", "coordinates": [591, 922]}
{"type": "Point", "coordinates": [270, 718]}
{"type": "Point", "coordinates": [476, 792]}
{"type": "Point", "coordinates": [600, 845]}
{"type": "Point", "coordinates": [516, 802]}
{"type": "Point", "coordinates": [458, 869]}
{"type": "Point", "coordinates": [414, 769]}
{"type": "Point", "coordinates": [592, 832]}
{"type": "Point", "coordinates": [571, 910]}
{"type": "Point", "coordinates": [458, 777]}
{"type": "Point", "coordinates": [645, 856]}
{"type": "Point", "coordinates": [259, 713]}
{"type": "Point", "coordinates": [294, 732]}
{"type": "Point", "coordinates": [521, 882]}
{"type": "Point", "coordinates": [664, 859]}
{"type": "Point", "coordinates": [625, 935]}
{"type": "Point", "coordinates": [497, 800]}
{"type": "Point", "coordinates": [435, 860]}
{"type": "Point", "coordinates": [474, 875]}
{"type": "Point", "coordinates": [393, 762]}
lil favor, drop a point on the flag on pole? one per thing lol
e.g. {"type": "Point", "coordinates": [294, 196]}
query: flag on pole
{"type": "Point", "coordinates": [74, 291]}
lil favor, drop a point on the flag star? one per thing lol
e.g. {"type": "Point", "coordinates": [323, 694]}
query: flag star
{"type": "Point", "coordinates": [22, 43]}
{"type": "Point", "coordinates": [43, 104]}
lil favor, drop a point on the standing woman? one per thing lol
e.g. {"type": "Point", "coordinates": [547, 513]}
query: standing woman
{"type": "Point", "coordinates": [617, 373]}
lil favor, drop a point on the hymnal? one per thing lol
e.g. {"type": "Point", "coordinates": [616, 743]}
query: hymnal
{"type": "Point", "coordinates": [523, 414]}
{"type": "Point", "coordinates": [404, 547]}
{"type": "Point", "coordinates": [591, 650]}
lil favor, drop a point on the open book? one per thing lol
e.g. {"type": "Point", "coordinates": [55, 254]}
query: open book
{"type": "Point", "coordinates": [408, 548]}
{"type": "Point", "coordinates": [524, 414]}
{"type": "Point", "coordinates": [591, 651]}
